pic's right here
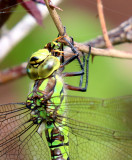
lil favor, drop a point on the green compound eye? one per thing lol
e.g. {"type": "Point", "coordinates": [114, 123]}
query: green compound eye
{"type": "Point", "coordinates": [50, 64]}
{"type": "Point", "coordinates": [32, 72]}
{"type": "Point", "coordinates": [42, 64]}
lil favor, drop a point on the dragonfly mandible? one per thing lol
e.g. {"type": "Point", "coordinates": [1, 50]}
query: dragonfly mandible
{"type": "Point", "coordinates": [53, 125]}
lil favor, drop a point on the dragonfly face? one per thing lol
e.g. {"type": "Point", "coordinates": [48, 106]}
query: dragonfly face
{"type": "Point", "coordinates": [42, 64]}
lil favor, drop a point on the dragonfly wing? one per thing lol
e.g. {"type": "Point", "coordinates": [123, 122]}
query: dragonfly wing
{"type": "Point", "coordinates": [99, 128]}
{"type": "Point", "coordinates": [18, 135]}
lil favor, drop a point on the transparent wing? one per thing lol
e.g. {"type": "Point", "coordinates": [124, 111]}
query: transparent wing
{"type": "Point", "coordinates": [99, 128]}
{"type": "Point", "coordinates": [18, 137]}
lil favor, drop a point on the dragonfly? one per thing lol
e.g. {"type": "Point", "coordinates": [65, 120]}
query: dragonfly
{"type": "Point", "coordinates": [52, 125]}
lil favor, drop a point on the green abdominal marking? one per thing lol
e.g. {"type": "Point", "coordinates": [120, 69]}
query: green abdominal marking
{"type": "Point", "coordinates": [58, 141]}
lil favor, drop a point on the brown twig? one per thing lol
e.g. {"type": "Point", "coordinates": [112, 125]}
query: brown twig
{"type": "Point", "coordinates": [13, 73]}
{"type": "Point", "coordinates": [103, 25]}
{"type": "Point", "coordinates": [104, 52]}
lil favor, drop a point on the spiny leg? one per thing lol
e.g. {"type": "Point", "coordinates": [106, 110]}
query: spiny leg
{"type": "Point", "coordinates": [71, 44]}
{"type": "Point", "coordinates": [76, 56]}
{"type": "Point", "coordinates": [79, 73]}
{"type": "Point", "coordinates": [81, 79]}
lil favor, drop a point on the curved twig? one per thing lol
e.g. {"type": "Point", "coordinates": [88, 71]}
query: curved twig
{"type": "Point", "coordinates": [103, 25]}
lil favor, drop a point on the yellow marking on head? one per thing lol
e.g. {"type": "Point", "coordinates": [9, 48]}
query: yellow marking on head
{"type": "Point", "coordinates": [39, 56]}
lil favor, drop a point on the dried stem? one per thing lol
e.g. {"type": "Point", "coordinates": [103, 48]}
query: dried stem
{"type": "Point", "coordinates": [13, 73]}
{"type": "Point", "coordinates": [104, 52]}
{"type": "Point", "coordinates": [103, 25]}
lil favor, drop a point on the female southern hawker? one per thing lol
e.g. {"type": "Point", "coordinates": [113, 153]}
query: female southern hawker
{"type": "Point", "coordinates": [53, 125]}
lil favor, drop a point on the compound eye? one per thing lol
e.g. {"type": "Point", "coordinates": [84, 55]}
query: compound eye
{"type": "Point", "coordinates": [50, 64]}
{"type": "Point", "coordinates": [32, 72]}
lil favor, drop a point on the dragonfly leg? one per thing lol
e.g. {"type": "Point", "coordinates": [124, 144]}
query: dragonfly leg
{"type": "Point", "coordinates": [87, 70]}
{"type": "Point", "coordinates": [74, 88]}
{"type": "Point", "coordinates": [76, 56]}
{"type": "Point", "coordinates": [70, 74]}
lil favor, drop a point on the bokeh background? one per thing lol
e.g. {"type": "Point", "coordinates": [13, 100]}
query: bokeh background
{"type": "Point", "coordinates": [108, 77]}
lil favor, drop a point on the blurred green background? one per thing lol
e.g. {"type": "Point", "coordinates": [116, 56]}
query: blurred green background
{"type": "Point", "coordinates": [108, 77]}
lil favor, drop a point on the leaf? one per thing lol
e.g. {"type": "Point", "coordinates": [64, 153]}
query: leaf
{"type": "Point", "coordinates": [7, 8]}
{"type": "Point", "coordinates": [31, 8]}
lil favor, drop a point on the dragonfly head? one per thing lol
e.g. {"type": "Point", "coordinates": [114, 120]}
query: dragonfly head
{"type": "Point", "coordinates": [42, 64]}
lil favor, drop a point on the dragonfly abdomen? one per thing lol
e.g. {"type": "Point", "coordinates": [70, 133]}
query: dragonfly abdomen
{"type": "Point", "coordinates": [56, 129]}
{"type": "Point", "coordinates": [58, 142]}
